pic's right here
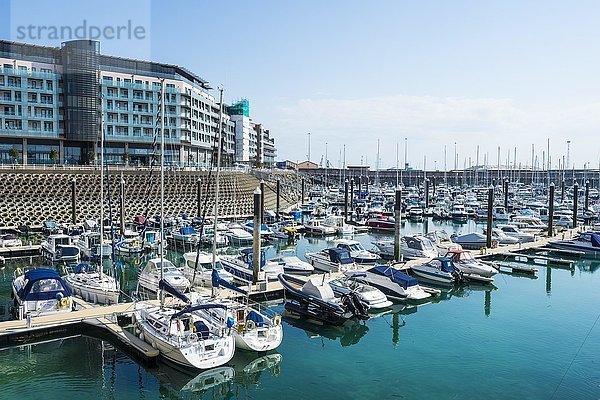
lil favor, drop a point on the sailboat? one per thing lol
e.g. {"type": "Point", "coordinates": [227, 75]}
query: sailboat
{"type": "Point", "coordinates": [86, 281]}
{"type": "Point", "coordinates": [181, 334]}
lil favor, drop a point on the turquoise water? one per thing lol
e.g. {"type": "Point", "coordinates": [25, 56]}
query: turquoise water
{"type": "Point", "coordinates": [522, 339]}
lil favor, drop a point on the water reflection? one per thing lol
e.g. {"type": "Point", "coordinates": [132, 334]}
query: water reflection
{"type": "Point", "coordinates": [348, 334]}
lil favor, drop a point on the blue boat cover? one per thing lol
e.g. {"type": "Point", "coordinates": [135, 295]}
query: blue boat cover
{"type": "Point", "coordinates": [595, 239]}
{"type": "Point", "coordinates": [256, 318]}
{"type": "Point", "coordinates": [82, 267]}
{"type": "Point", "coordinates": [55, 287]}
{"type": "Point", "coordinates": [197, 307]}
{"type": "Point", "coordinates": [218, 282]}
{"type": "Point", "coordinates": [339, 255]}
{"type": "Point", "coordinates": [396, 276]}
{"type": "Point", "coordinates": [447, 264]}
{"type": "Point", "coordinates": [164, 285]}
{"type": "Point", "coordinates": [187, 230]}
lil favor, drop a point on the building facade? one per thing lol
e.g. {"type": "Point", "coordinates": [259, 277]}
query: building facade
{"type": "Point", "coordinates": [53, 102]}
{"type": "Point", "coordinates": [253, 143]}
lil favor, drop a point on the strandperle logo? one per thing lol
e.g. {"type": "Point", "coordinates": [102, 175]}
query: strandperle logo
{"type": "Point", "coordinates": [128, 31]}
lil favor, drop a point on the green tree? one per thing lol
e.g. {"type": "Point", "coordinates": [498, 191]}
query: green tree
{"type": "Point", "coordinates": [14, 154]}
{"type": "Point", "coordinates": [54, 155]}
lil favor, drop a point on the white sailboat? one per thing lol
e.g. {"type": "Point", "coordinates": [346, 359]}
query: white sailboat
{"type": "Point", "coordinates": [183, 336]}
{"type": "Point", "coordinates": [86, 281]}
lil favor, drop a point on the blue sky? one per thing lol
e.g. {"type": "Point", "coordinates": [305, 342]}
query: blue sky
{"type": "Point", "coordinates": [504, 73]}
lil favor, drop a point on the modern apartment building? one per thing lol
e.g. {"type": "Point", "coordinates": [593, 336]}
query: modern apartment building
{"type": "Point", "coordinates": [253, 143]}
{"type": "Point", "coordinates": [52, 102]}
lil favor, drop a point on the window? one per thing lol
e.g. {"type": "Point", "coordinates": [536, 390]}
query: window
{"type": "Point", "coordinates": [22, 68]}
{"type": "Point", "coordinates": [107, 78]}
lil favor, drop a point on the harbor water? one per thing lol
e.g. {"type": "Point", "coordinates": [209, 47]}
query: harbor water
{"type": "Point", "coordinates": [522, 338]}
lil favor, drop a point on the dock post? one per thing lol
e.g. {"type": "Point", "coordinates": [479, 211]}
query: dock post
{"type": "Point", "coordinates": [346, 200]}
{"type": "Point", "coordinates": [551, 211]}
{"type": "Point", "coordinates": [562, 195]}
{"type": "Point", "coordinates": [397, 217]}
{"type": "Point", "coordinates": [302, 199]}
{"type": "Point", "coordinates": [488, 237]}
{"type": "Point", "coordinates": [256, 234]}
{"type": "Point", "coordinates": [277, 203]}
{"type": "Point", "coordinates": [367, 187]}
{"type": "Point", "coordinates": [198, 197]}
{"type": "Point", "coordinates": [351, 199]}
{"type": "Point", "coordinates": [575, 198]}
{"type": "Point", "coordinates": [505, 190]}
{"type": "Point", "coordinates": [433, 186]}
{"type": "Point", "coordinates": [262, 202]}
{"type": "Point", "coordinates": [73, 201]}
{"type": "Point", "coordinates": [426, 193]}
{"type": "Point", "coordinates": [122, 204]}
{"type": "Point", "coordinates": [587, 195]}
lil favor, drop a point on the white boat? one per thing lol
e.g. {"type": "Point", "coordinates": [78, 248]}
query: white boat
{"type": "Point", "coordinates": [473, 241]}
{"type": "Point", "coordinates": [317, 226]}
{"type": "Point", "coordinates": [499, 213]}
{"type": "Point", "coordinates": [151, 275]}
{"type": "Point", "coordinates": [186, 235]}
{"type": "Point", "coordinates": [358, 253]}
{"type": "Point", "coordinates": [241, 267]}
{"type": "Point", "coordinates": [417, 246]}
{"type": "Point", "coordinates": [10, 241]}
{"type": "Point", "coordinates": [253, 329]}
{"type": "Point", "coordinates": [265, 231]}
{"type": "Point", "coordinates": [458, 213]}
{"type": "Point", "coordinates": [202, 273]}
{"type": "Point", "coordinates": [415, 214]}
{"type": "Point", "coordinates": [332, 260]}
{"type": "Point", "coordinates": [39, 292]}
{"type": "Point", "coordinates": [440, 270]}
{"type": "Point", "coordinates": [59, 247]}
{"type": "Point", "coordinates": [89, 245]}
{"type": "Point", "coordinates": [129, 246]}
{"type": "Point", "coordinates": [184, 336]}
{"type": "Point", "coordinates": [514, 231]}
{"type": "Point", "coordinates": [503, 238]}
{"type": "Point", "coordinates": [338, 223]}
{"type": "Point", "coordinates": [88, 283]}
{"type": "Point", "coordinates": [588, 242]}
{"type": "Point", "coordinates": [441, 240]}
{"type": "Point", "coordinates": [393, 283]}
{"type": "Point", "coordinates": [529, 224]}
{"type": "Point", "coordinates": [239, 237]}
{"type": "Point", "coordinates": [464, 261]}
{"type": "Point", "coordinates": [370, 295]}
{"type": "Point", "coordinates": [291, 263]}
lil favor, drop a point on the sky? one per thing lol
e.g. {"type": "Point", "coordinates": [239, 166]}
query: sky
{"type": "Point", "coordinates": [428, 74]}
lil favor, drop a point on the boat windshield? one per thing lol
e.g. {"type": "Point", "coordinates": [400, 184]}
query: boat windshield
{"type": "Point", "coordinates": [208, 265]}
{"type": "Point", "coordinates": [355, 247]}
{"type": "Point", "coordinates": [465, 256]}
{"type": "Point", "coordinates": [46, 285]}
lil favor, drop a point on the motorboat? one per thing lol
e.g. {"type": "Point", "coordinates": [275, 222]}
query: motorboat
{"type": "Point", "coordinates": [265, 231]}
{"type": "Point", "coordinates": [200, 274]}
{"type": "Point", "coordinates": [564, 221]}
{"type": "Point", "coordinates": [458, 213]}
{"type": "Point", "coordinates": [186, 236]}
{"type": "Point", "coordinates": [514, 231]}
{"type": "Point", "coordinates": [417, 246]}
{"type": "Point", "coordinates": [315, 300]}
{"type": "Point", "coordinates": [441, 240]}
{"type": "Point", "coordinates": [473, 241]}
{"type": "Point", "coordinates": [59, 247]}
{"type": "Point", "coordinates": [499, 213]}
{"type": "Point", "coordinates": [440, 270]}
{"type": "Point", "coordinates": [588, 242]}
{"type": "Point", "coordinates": [370, 295]}
{"type": "Point", "coordinates": [38, 292]}
{"type": "Point", "coordinates": [241, 267]}
{"type": "Point", "coordinates": [528, 223]}
{"type": "Point", "coordinates": [151, 275]}
{"type": "Point", "coordinates": [381, 223]}
{"type": "Point", "coordinates": [91, 285]}
{"type": "Point", "coordinates": [317, 226]}
{"type": "Point", "coordinates": [338, 222]}
{"type": "Point", "coordinates": [415, 214]}
{"type": "Point", "coordinates": [393, 283]}
{"type": "Point", "coordinates": [292, 264]}
{"type": "Point", "coordinates": [464, 261]}
{"type": "Point", "coordinates": [252, 328]}
{"type": "Point", "coordinates": [503, 238]}
{"type": "Point", "coordinates": [184, 336]}
{"type": "Point", "coordinates": [359, 254]}
{"type": "Point", "coordinates": [333, 259]}
{"type": "Point", "coordinates": [10, 240]}
{"type": "Point", "coordinates": [89, 245]}
{"type": "Point", "coordinates": [239, 237]}
{"type": "Point", "coordinates": [129, 246]}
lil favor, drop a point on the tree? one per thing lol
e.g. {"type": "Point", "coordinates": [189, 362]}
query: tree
{"type": "Point", "coordinates": [14, 154]}
{"type": "Point", "coordinates": [54, 155]}
{"type": "Point", "coordinates": [91, 156]}
{"type": "Point", "coordinates": [126, 158]}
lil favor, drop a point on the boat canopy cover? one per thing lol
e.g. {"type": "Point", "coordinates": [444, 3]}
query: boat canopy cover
{"type": "Point", "coordinates": [82, 267]}
{"type": "Point", "coordinates": [474, 237]}
{"type": "Point", "coordinates": [43, 284]}
{"type": "Point", "coordinates": [316, 287]}
{"type": "Point", "coordinates": [164, 285]}
{"type": "Point", "coordinates": [255, 317]}
{"type": "Point", "coordinates": [447, 264]}
{"type": "Point", "coordinates": [339, 255]}
{"type": "Point", "coordinates": [197, 307]}
{"type": "Point", "coordinates": [396, 276]}
{"type": "Point", "coordinates": [187, 230]}
{"type": "Point", "coordinates": [595, 239]}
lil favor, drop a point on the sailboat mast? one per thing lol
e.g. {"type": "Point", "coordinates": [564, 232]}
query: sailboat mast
{"type": "Point", "coordinates": [101, 261]}
{"type": "Point", "coordinates": [162, 181]}
{"type": "Point", "coordinates": [219, 134]}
